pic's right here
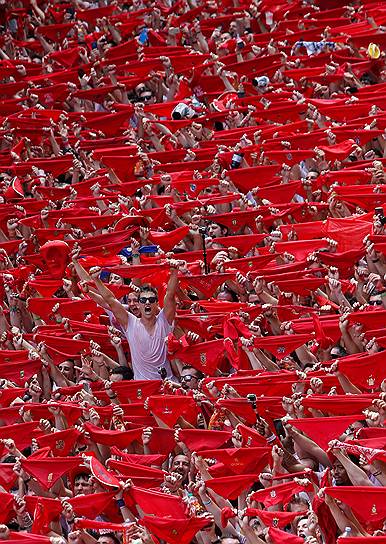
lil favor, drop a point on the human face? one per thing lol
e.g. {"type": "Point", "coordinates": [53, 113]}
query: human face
{"type": "Point", "coordinates": [67, 369]}
{"type": "Point", "coordinates": [115, 279]}
{"type": "Point", "coordinates": [148, 305]}
{"type": "Point", "coordinates": [82, 486]}
{"type": "Point", "coordinates": [181, 465]}
{"type": "Point", "coordinates": [224, 295]}
{"type": "Point", "coordinates": [339, 473]}
{"type": "Point", "coordinates": [105, 540]}
{"type": "Point", "coordinates": [132, 302]}
{"type": "Point", "coordinates": [303, 528]}
{"type": "Point", "coordinates": [147, 97]}
{"type": "Point", "coordinates": [375, 300]}
{"type": "Point", "coordinates": [189, 379]}
{"type": "Point", "coordinates": [214, 230]}
{"type": "Point", "coordinates": [311, 176]}
{"type": "Point", "coordinates": [115, 377]}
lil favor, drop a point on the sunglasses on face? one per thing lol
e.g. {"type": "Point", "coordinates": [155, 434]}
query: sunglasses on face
{"type": "Point", "coordinates": [147, 300]}
{"type": "Point", "coordinates": [187, 378]}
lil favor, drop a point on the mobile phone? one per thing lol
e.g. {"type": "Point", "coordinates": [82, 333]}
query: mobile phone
{"type": "Point", "coordinates": [279, 428]}
{"type": "Point", "coordinates": [251, 397]}
{"type": "Point", "coordinates": [148, 249]}
{"type": "Point", "coordinates": [381, 214]}
{"type": "Point", "coordinates": [162, 372]}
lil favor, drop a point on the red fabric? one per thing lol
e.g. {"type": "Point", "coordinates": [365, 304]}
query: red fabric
{"type": "Point", "coordinates": [281, 493]}
{"type": "Point", "coordinates": [273, 519]}
{"type": "Point", "coordinates": [100, 503]}
{"type": "Point", "coordinates": [167, 240]}
{"type": "Point", "coordinates": [157, 504]}
{"type": "Point", "coordinates": [111, 437]}
{"type": "Point", "coordinates": [104, 477]}
{"type": "Point", "coordinates": [338, 404]}
{"type": "Point", "coordinates": [60, 443]}
{"type": "Point", "coordinates": [238, 460]}
{"type": "Point", "coordinates": [48, 471]}
{"type": "Point", "coordinates": [365, 371]}
{"type": "Point", "coordinates": [172, 530]}
{"type": "Point", "coordinates": [145, 460]}
{"type": "Point", "coordinates": [7, 476]}
{"type": "Point", "coordinates": [230, 487]}
{"type": "Point", "coordinates": [205, 284]}
{"type": "Point", "coordinates": [21, 434]}
{"type": "Point", "coordinates": [205, 356]}
{"type": "Point", "coordinates": [280, 537]}
{"type": "Point", "coordinates": [135, 391]}
{"type": "Point", "coordinates": [324, 429]}
{"type": "Point", "coordinates": [169, 408]}
{"type": "Point", "coordinates": [250, 437]}
{"type": "Point", "coordinates": [7, 507]}
{"type": "Point", "coordinates": [201, 439]}
{"type": "Point", "coordinates": [368, 503]}
{"type": "Point", "coordinates": [46, 510]}
{"type": "Point", "coordinates": [282, 345]}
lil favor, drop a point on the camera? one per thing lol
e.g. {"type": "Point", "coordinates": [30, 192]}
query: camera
{"type": "Point", "coordinates": [182, 111]}
{"type": "Point", "coordinates": [236, 160]}
{"type": "Point", "coordinates": [162, 372]}
{"type": "Point", "coordinates": [251, 397]}
{"type": "Point", "coordinates": [381, 215]}
{"type": "Point", "coordinates": [260, 81]}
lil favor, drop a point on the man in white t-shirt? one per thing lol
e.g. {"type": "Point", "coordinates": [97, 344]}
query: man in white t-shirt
{"type": "Point", "coordinates": [146, 335]}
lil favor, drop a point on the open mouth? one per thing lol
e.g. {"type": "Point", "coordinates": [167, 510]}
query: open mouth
{"type": "Point", "coordinates": [147, 310]}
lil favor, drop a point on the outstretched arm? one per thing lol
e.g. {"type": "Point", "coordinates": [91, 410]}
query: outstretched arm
{"type": "Point", "coordinates": [170, 297]}
{"type": "Point", "coordinates": [117, 308]}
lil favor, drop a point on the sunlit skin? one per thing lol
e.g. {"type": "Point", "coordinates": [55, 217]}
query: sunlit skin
{"type": "Point", "coordinates": [67, 369]}
{"type": "Point", "coordinates": [82, 485]}
{"type": "Point", "coordinates": [148, 310]}
{"type": "Point", "coordinates": [181, 465]}
{"type": "Point", "coordinates": [133, 304]}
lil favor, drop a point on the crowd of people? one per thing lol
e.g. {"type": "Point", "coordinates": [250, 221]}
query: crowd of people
{"type": "Point", "coordinates": [192, 271]}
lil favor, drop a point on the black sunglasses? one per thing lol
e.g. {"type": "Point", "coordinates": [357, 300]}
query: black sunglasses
{"type": "Point", "coordinates": [188, 378]}
{"type": "Point", "coordinates": [147, 300]}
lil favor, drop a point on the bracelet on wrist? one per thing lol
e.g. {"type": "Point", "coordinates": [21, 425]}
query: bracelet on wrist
{"type": "Point", "coordinates": [120, 503]}
{"type": "Point", "coordinates": [206, 503]}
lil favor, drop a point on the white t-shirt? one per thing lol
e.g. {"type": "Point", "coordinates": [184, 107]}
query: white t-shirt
{"type": "Point", "coordinates": [148, 351]}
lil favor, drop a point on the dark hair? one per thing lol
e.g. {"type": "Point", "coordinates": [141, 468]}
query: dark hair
{"type": "Point", "coordinates": [222, 227]}
{"type": "Point", "coordinates": [124, 371]}
{"type": "Point", "coordinates": [200, 375]}
{"type": "Point", "coordinates": [341, 351]}
{"type": "Point", "coordinates": [230, 292]}
{"type": "Point", "coordinates": [147, 289]}
{"type": "Point", "coordinates": [113, 537]}
{"type": "Point", "coordinates": [84, 475]}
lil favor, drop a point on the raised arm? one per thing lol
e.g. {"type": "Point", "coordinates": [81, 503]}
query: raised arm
{"type": "Point", "coordinates": [117, 308]}
{"type": "Point", "coordinates": [170, 296]}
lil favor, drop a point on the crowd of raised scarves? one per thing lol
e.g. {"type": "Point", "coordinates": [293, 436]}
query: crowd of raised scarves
{"type": "Point", "coordinates": [211, 175]}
